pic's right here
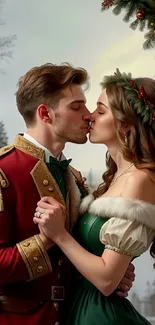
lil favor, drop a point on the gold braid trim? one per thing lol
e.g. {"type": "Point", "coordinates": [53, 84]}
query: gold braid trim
{"type": "Point", "coordinates": [40, 244]}
{"type": "Point", "coordinates": [4, 183]}
{"type": "Point", "coordinates": [35, 257]}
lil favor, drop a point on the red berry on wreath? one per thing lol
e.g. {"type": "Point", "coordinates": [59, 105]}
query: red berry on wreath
{"type": "Point", "coordinates": [107, 3]}
{"type": "Point", "coordinates": [140, 13]}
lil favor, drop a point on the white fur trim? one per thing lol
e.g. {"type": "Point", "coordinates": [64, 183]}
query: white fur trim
{"type": "Point", "coordinates": [86, 203]}
{"type": "Point", "coordinates": [123, 208]}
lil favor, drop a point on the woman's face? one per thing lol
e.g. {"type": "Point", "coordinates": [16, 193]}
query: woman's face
{"type": "Point", "coordinates": [103, 129]}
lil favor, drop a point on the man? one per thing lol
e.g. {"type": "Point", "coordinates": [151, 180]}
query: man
{"type": "Point", "coordinates": [33, 271]}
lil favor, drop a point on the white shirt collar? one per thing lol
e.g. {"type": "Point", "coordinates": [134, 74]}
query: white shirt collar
{"type": "Point", "coordinates": [47, 152]}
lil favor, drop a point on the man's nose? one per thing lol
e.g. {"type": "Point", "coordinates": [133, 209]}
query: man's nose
{"type": "Point", "coordinates": [87, 115]}
{"type": "Point", "coordinates": [92, 117]}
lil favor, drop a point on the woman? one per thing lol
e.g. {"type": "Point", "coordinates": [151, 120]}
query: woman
{"type": "Point", "coordinates": [117, 222]}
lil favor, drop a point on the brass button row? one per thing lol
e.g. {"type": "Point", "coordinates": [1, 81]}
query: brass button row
{"type": "Point", "coordinates": [39, 269]}
{"type": "Point", "coordinates": [45, 183]}
{"type": "Point", "coordinates": [3, 183]}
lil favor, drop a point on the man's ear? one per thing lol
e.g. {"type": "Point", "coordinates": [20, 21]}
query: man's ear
{"type": "Point", "coordinates": [43, 113]}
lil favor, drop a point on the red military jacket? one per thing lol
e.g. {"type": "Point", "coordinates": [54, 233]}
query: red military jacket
{"type": "Point", "coordinates": [24, 179]}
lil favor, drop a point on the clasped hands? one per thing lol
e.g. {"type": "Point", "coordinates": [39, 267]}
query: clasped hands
{"type": "Point", "coordinates": [50, 218]}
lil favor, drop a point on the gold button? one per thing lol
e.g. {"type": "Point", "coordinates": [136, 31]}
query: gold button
{"type": "Point", "coordinates": [39, 269]}
{"type": "Point", "coordinates": [45, 182]}
{"type": "Point", "coordinates": [35, 258]}
{"type": "Point", "coordinates": [50, 189]}
{"type": "Point", "coordinates": [3, 183]}
{"type": "Point", "coordinates": [57, 323]}
{"type": "Point", "coordinates": [56, 306]}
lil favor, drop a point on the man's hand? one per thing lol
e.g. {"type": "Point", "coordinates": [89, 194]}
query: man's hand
{"type": "Point", "coordinates": [126, 283]}
{"type": "Point", "coordinates": [50, 218]}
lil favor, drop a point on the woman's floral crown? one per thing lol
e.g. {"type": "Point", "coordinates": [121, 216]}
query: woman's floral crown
{"type": "Point", "coordinates": [135, 95]}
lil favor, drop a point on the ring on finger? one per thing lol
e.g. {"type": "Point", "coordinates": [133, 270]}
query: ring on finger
{"type": "Point", "coordinates": [38, 214]}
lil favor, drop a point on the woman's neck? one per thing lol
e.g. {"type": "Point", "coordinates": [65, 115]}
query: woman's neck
{"type": "Point", "coordinates": [118, 158]}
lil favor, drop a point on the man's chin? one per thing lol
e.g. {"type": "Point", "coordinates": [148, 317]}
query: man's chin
{"type": "Point", "coordinates": [79, 141]}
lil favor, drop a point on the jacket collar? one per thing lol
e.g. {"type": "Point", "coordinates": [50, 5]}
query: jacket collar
{"type": "Point", "coordinates": [28, 147]}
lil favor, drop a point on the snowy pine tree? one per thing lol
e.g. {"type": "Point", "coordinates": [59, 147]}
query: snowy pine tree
{"type": "Point", "coordinates": [3, 135]}
{"type": "Point", "coordinates": [6, 41]}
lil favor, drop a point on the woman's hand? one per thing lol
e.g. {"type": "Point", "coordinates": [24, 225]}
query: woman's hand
{"type": "Point", "coordinates": [50, 216]}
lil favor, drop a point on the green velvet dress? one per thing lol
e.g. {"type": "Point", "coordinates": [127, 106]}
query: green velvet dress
{"type": "Point", "coordinates": [88, 306]}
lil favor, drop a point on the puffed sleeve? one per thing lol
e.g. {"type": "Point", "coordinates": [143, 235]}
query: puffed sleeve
{"type": "Point", "coordinates": [126, 236]}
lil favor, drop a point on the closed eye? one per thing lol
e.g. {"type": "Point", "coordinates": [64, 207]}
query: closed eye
{"type": "Point", "coordinates": [76, 107]}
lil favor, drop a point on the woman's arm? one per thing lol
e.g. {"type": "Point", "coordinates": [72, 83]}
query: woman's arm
{"type": "Point", "coordinates": [104, 272]}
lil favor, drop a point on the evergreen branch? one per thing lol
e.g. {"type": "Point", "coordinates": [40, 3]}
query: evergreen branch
{"type": "Point", "coordinates": [151, 3]}
{"type": "Point", "coordinates": [142, 24]}
{"type": "Point", "coordinates": [150, 40]}
{"type": "Point", "coordinates": [144, 10]}
{"type": "Point", "coordinates": [130, 11]}
{"type": "Point", "coordinates": [135, 95]}
{"type": "Point", "coordinates": [119, 7]}
{"type": "Point", "coordinates": [134, 24]}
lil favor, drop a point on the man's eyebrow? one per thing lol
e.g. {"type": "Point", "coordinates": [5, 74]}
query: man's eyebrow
{"type": "Point", "coordinates": [102, 104]}
{"type": "Point", "coordinates": [78, 101]}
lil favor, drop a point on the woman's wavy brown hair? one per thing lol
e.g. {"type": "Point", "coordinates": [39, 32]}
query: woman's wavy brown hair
{"type": "Point", "coordinates": [140, 149]}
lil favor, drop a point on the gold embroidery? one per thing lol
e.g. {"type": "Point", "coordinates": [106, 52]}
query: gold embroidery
{"type": "Point", "coordinates": [41, 176]}
{"type": "Point", "coordinates": [40, 173]}
{"type": "Point", "coordinates": [35, 257]}
{"type": "Point", "coordinates": [4, 183]}
{"type": "Point", "coordinates": [6, 149]}
{"type": "Point", "coordinates": [43, 250]}
{"type": "Point", "coordinates": [28, 147]}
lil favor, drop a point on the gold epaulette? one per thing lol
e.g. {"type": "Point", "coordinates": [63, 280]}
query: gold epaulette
{"type": "Point", "coordinates": [6, 149]}
{"type": "Point", "coordinates": [3, 184]}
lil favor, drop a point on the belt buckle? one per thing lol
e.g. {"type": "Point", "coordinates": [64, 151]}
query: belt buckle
{"type": "Point", "coordinates": [57, 293]}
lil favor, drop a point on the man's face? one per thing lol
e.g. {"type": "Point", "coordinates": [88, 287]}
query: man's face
{"type": "Point", "coordinates": [70, 120]}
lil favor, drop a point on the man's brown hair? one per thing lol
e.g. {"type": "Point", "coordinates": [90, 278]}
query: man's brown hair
{"type": "Point", "coordinates": [44, 85]}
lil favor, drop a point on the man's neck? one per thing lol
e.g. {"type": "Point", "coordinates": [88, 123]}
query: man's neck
{"type": "Point", "coordinates": [54, 147]}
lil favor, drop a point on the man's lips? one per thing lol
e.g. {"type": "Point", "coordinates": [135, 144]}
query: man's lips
{"type": "Point", "coordinates": [87, 129]}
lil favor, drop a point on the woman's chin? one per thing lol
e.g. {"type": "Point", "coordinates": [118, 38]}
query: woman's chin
{"type": "Point", "coordinates": [92, 139]}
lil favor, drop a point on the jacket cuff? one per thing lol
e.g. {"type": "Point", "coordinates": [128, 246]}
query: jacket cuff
{"type": "Point", "coordinates": [35, 257]}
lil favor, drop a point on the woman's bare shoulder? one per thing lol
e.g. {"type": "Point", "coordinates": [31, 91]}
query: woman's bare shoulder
{"type": "Point", "coordinates": [140, 185]}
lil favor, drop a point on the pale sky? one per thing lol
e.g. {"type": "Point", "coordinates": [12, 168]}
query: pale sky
{"type": "Point", "coordinates": [77, 32]}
